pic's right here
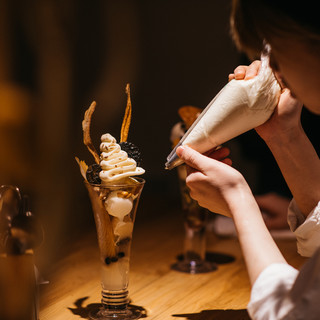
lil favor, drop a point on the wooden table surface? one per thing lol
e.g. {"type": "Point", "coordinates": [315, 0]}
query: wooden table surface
{"type": "Point", "coordinates": [160, 292]}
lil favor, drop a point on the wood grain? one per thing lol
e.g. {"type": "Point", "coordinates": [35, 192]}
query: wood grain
{"type": "Point", "coordinates": [160, 292]}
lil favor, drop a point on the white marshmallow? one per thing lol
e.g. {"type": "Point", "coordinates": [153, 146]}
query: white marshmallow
{"type": "Point", "coordinates": [117, 206]}
{"type": "Point", "coordinates": [123, 230]}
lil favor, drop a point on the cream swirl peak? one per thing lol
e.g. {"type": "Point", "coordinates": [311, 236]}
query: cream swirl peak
{"type": "Point", "coordinates": [114, 162]}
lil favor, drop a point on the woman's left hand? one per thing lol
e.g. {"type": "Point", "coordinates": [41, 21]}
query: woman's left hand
{"type": "Point", "coordinates": [212, 181]}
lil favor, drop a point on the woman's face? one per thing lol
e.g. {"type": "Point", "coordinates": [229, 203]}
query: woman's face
{"type": "Point", "coordinates": [298, 65]}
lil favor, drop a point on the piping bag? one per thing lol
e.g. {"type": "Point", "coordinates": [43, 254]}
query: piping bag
{"type": "Point", "coordinates": [240, 106]}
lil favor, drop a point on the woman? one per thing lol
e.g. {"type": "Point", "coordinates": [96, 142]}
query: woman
{"type": "Point", "coordinates": [293, 31]}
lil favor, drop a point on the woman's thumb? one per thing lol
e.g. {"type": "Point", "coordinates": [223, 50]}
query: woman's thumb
{"type": "Point", "coordinates": [191, 157]}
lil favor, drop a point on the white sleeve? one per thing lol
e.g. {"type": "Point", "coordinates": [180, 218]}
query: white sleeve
{"type": "Point", "coordinates": [280, 292]}
{"type": "Point", "coordinates": [269, 294]}
{"type": "Point", "coordinates": [306, 230]}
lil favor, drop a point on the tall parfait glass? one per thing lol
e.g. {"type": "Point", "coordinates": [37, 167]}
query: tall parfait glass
{"type": "Point", "coordinates": [195, 219]}
{"type": "Point", "coordinates": [114, 207]}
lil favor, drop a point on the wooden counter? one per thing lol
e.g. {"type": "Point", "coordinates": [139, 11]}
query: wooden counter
{"type": "Point", "coordinates": [159, 291]}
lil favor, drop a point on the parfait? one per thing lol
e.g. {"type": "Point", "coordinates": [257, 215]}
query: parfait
{"type": "Point", "coordinates": [195, 218]}
{"type": "Point", "coordinates": [114, 190]}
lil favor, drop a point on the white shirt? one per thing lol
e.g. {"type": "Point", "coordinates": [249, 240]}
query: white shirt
{"type": "Point", "coordinates": [306, 230]}
{"type": "Point", "coordinates": [282, 292]}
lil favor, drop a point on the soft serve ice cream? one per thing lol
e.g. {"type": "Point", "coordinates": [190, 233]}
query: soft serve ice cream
{"type": "Point", "coordinates": [115, 163]}
{"type": "Point", "coordinates": [240, 106]}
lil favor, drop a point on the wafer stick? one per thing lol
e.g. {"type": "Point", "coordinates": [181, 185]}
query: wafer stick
{"type": "Point", "coordinates": [127, 117]}
{"type": "Point", "coordinates": [103, 225]}
{"type": "Point", "coordinates": [83, 167]}
{"type": "Point", "coordinates": [86, 131]}
{"type": "Point", "coordinates": [189, 114]}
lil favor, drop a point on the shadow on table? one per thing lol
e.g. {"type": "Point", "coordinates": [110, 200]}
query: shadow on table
{"type": "Point", "coordinates": [83, 312]}
{"type": "Point", "coordinates": [216, 315]}
{"type": "Point", "coordinates": [219, 258]}
{"type": "Point", "coordinates": [215, 257]}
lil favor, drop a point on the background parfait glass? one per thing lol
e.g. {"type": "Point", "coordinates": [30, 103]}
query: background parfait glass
{"type": "Point", "coordinates": [195, 218]}
{"type": "Point", "coordinates": [114, 207]}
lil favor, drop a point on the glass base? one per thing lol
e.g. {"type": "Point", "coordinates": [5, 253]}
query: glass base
{"type": "Point", "coordinates": [127, 314]}
{"type": "Point", "coordinates": [194, 267]}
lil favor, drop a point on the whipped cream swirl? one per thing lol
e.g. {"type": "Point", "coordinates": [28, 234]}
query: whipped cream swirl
{"type": "Point", "coordinates": [115, 163]}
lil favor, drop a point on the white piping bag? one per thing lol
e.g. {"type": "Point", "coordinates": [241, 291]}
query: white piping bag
{"type": "Point", "coordinates": [240, 106]}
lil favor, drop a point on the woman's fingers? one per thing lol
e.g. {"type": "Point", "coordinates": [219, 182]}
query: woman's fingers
{"type": "Point", "coordinates": [245, 72]}
{"type": "Point", "coordinates": [219, 153]}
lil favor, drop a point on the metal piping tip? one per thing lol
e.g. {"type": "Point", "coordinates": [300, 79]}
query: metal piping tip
{"type": "Point", "coordinates": [173, 160]}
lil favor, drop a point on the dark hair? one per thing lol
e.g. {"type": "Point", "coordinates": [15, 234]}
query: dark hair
{"type": "Point", "coordinates": [255, 21]}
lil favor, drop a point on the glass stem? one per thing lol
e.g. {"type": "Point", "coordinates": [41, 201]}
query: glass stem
{"type": "Point", "coordinates": [194, 244]}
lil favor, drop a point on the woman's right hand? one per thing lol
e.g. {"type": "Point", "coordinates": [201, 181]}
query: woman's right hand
{"type": "Point", "coordinates": [285, 120]}
{"type": "Point", "coordinates": [284, 123]}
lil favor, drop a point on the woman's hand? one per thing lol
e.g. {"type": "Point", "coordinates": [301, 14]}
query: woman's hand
{"type": "Point", "coordinates": [284, 124]}
{"type": "Point", "coordinates": [246, 72]}
{"type": "Point", "coordinates": [214, 184]}
{"type": "Point", "coordinates": [285, 120]}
